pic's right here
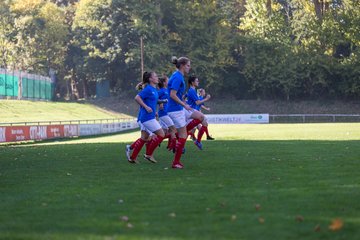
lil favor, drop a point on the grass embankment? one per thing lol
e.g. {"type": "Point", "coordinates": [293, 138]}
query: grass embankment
{"type": "Point", "coordinates": [253, 182]}
{"type": "Point", "coordinates": [29, 111]}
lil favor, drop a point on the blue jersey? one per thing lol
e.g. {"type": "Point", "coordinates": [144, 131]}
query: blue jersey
{"type": "Point", "coordinates": [139, 115]}
{"type": "Point", "coordinates": [176, 82]}
{"type": "Point", "coordinates": [163, 94]}
{"type": "Point", "coordinates": [192, 97]}
{"type": "Point", "coordinates": [150, 97]}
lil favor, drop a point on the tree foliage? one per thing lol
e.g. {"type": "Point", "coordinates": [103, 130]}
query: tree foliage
{"type": "Point", "coordinates": [273, 49]}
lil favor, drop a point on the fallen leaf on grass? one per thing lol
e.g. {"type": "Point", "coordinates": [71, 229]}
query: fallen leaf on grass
{"type": "Point", "coordinates": [299, 218]}
{"type": "Point", "coordinates": [336, 224]}
{"type": "Point", "coordinates": [317, 228]}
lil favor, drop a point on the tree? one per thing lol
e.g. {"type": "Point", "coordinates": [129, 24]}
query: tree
{"type": "Point", "coordinates": [102, 31]}
{"type": "Point", "coordinates": [7, 35]}
{"type": "Point", "coordinates": [41, 35]}
{"type": "Point", "coordinates": [201, 33]}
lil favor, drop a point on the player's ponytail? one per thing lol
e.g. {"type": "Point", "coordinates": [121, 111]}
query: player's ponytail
{"type": "Point", "coordinates": [174, 60]}
{"type": "Point", "coordinates": [139, 86]}
{"type": "Point", "coordinates": [178, 62]}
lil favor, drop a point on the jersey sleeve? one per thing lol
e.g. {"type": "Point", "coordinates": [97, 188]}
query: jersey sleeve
{"type": "Point", "coordinates": [192, 96]}
{"type": "Point", "coordinates": [176, 84]}
{"type": "Point", "coordinates": [143, 93]}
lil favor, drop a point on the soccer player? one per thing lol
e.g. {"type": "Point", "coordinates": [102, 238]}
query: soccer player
{"type": "Point", "coordinates": [194, 102]}
{"type": "Point", "coordinates": [165, 121]}
{"type": "Point", "coordinates": [202, 94]}
{"type": "Point", "coordinates": [175, 106]}
{"type": "Point", "coordinates": [146, 135]}
{"type": "Point", "coordinates": [147, 99]}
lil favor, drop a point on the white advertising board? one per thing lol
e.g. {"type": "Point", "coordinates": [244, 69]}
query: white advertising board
{"type": "Point", "coordinates": [237, 118]}
{"type": "Point", "coordinates": [89, 129]}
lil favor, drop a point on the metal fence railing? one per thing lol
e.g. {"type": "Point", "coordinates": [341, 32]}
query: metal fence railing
{"type": "Point", "coordinates": [313, 118]}
{"type": "Point", "coordinates": [273, 118]}
{"type": "Point", "coordinates": [62, 122]}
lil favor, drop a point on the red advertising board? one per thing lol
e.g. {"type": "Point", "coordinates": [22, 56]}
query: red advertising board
{"type": "Point", "coordinates": [24, 133]}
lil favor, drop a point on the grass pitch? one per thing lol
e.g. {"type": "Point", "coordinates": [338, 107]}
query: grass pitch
{"type": "Point", "coordinates": [31, 111]}
{"type": "Point", "coordinates": [289, 181]}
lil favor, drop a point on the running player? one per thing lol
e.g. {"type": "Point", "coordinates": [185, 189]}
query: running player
{"type": "Point", "coordinates": [147, 99]}
{"type": "Point", "coordinates": [175, 107]}
{"type": "Point", "coordinates": [145, 134]}
{"type": "Point", "coordinates": [202, 94]}
{"type": "Point", "coordinates": [194, 102]}
{"type": "Point", "coordinates": [165, 121]}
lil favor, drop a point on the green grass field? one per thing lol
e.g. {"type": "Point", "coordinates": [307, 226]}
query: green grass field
{"type": "Point", "coordinates": [276, 181]}
{"type": "Point", "coordinates": [29, 111]}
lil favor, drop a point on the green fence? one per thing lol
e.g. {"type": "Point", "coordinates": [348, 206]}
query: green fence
{"type": "Point", "coordinates": [9, 85]}
{"type": "Point", "coordinates": [31, 86]}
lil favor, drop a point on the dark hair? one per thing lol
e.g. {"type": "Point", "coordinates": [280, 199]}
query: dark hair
{"type": "Point", "coordinates": [162, 81]}
{"type": "Point", "coordinates": [179, 61]}
{"type": "Point", "coordinates": [146, 77]}
{"type": "Point", "coordinates": [191, 80]}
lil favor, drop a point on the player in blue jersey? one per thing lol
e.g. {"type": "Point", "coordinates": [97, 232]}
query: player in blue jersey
{"type": "Point", "coordinates": [144, 132]}
{"type": "Point", "coordinates": [148, 100]}
{"type": "Point", "coordinates": [165, 121]}
{"type": "Point", "coordinates": [176, 106]}
{"type": "Point", "coordinates": [202, 95]}
{"type": "Point", "coordinates": [194, 102]}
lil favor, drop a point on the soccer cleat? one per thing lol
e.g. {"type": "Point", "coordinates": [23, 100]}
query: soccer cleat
{"type": "Point", "coordinates": [128, 152]}
{"type": "Point", "coordinates": [210, 138]}
{"type": "Point", "coordinates": [178, 166]}
{"type": "Point", "coordinates": [133, 161]}
{"type": "Point", "coordinates": [198, 144]}
{"type": "Point", "coordinates": [150, 158]}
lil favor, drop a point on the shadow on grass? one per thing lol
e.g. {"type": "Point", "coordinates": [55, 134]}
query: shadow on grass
{"type": "Point", "coordinates": [72, 191]}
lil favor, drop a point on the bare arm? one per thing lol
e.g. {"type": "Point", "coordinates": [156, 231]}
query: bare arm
{"type": "Point", "coordinates": [139, 100]}
{"type": "Point", "coordinates": [176, 99]}
{"type": "Point", "coordinates": [198, 102]}
{"type": "Point", "coordinates": [161, 106]}
{"type": "Point", "coordinates": [206, 108]}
